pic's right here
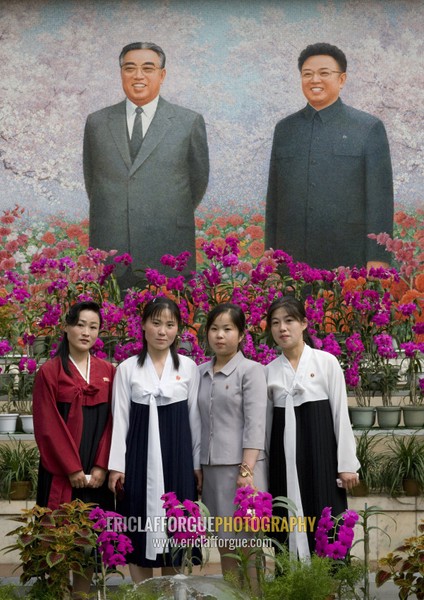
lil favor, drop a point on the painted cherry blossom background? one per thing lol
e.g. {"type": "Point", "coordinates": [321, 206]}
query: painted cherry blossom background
{"type": "Point", "coordinates": [234, 61]}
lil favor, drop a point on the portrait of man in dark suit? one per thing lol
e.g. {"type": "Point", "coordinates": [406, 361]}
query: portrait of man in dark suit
{"type": "Point", "coordinates": [146, 168]}
{"type": "Point", "coordinates": [330, 179]}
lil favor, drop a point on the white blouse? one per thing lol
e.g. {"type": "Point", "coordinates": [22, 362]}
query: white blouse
{"type": "Point", "coordinates": [318, 377]}
{"type": "Point", "coordinates": [136, 384]}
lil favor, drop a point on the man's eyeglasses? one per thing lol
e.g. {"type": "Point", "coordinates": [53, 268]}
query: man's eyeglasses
{"type": "Point", "coordinates": [144, 69]}
{"type": "Point", "coordinates": [322, 73]}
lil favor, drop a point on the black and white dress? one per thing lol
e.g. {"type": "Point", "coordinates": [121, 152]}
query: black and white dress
{"type": "Point", "coordinates": [311, 438]}
{"type": "Point", "coordinates": [156, 443]}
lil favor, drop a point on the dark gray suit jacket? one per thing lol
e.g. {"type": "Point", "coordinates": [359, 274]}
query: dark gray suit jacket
{"type": "Point", "coordinates": [145, 208]}
{"type": "Point", "coordinates": [330, 184]}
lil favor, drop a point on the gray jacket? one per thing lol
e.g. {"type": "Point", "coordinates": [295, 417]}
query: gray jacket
{"type": "Point", "coordinates": [145, 208]}
{"type": "Point", "coordinates": [233, 406]}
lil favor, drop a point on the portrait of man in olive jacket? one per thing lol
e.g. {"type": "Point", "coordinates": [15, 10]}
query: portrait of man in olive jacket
{"type": "Point", "coordinates": [330, 178]}
{"type": "Point", "coordinates": [146, 170]}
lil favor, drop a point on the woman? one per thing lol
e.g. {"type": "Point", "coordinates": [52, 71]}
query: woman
{"type": "Point", "coordinates": [312, 448]}
{"type": "Point", "coordinates": [232, 404]}
{"type": "Point", "coordinates": [72, 419]}
{"type": "Point", "coordinates": [156, 434]}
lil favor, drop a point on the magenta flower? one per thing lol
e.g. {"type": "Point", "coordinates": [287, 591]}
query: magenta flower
{"type": "Point", "coordinates": [5, 347]}
{"type": "Point", "coordinates": [27, 364]}
{"type": "Point", "coordinates": [384, 343]}
{"type": "Point", "coordinates": [113, 546]}
{"type": "Point", "coordinates": [185, 519]}
{"type": "Point", "coordinates": [331, 345]}
{"type": "Point", "coordinates": [333, 539]}
{"type": "Point", "coordinates": [336, 550]}
{"type": "Point", "coordinates": [126, 259]}
{"type": "Point", "coordinates": [252, 506]}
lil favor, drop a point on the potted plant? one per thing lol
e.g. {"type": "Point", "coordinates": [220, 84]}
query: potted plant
{"type": "Point", "coordinates": [363, 414]}
{"type": "Point", "coordinates": [386, 380]}
{"type": "Point", "coordinates": [8, 410]}
{"type": "Point", "coordinates": [51, 543]}
{"type": "Point", "coordinates": [403, 466]}
{"type": "Point", "coordinates": [18, 469]}
{"type": "Point", "coordinates": [413, 413]}
{"type": "Point", "coordinates": [404, 567]}
{"type": "Point", "coordinates": [20, 384]}
{"type": "Point", "coordinates": [8, 416]}
{"type": "Point", "coordinates": [371, 463]}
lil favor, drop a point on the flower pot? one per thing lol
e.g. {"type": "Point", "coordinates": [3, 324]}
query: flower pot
{"type": "Point", "coordinates": [362, 417]}
{"type": "Point", "coordinates": [388, 416]}
{"type": "Point", "coordinates": [20, 490]}
{"type": "Point", "coordinates": [40, 346]}
{"type": "Point", "coordinates": [27, 423]}
{"type": "Point", "coordinates": [411, 487]}
{"type": "Point", "coordinates": [8, 422]}
{"type": "Point", "coordinates": [413, 416]}
{"type": "Point", "coordinates": [361, 490]}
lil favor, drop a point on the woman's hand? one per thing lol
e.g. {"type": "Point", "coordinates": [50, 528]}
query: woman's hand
{"type": "Point", "coordinates": [114, 477]}
{"type": "Point", "coordinates": [77, 479]}
{"type": "Point", "coordinates": [198, 475]}
{"type": "Point", "coordinates": [98, 475]}
{"type": "Point", "coordinates": [349, 480]}
{"type": "Point", "coordinates": [243, 481]}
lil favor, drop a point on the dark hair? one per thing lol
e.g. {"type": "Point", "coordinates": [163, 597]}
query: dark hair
{"type": "Point", "coordinates": [72, 318]}
{"type": "Point", "coordinates": [237, 316]}
{"type": "Point", "coordinates": [295, 309]}
{"type": "Point", "coordinates": [143, 46]}
{"type": "Point", "coordinates": [323, 48]}
{"type": "Point", "coordinates": [152, 309]}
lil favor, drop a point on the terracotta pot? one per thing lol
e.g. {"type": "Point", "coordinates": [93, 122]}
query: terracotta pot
{"type": "Point", "coordinates": [360, 490]}
{"type": "Point", "coordinates": [20, 490]}
{"type": "Point", "coordinates": [411, 487]}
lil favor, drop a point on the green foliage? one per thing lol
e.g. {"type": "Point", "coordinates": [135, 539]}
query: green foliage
{"type": "Point", "coordinates": [365, 516]}
{"type": "Point", "coordinates": [18, 462]}
{"type": "Point", "coordinates": [347, 575]}
{"type": "Point", "coordinates": [300, 579]}
{"type": "Point", "coordinates": [405, 460]}
{"type": "Point", "coordinates": [129, 592]}
{"type": "Point", "coordinates": [404, 567]}
{"type": "Point", "coordinates": [371, 461]}
{"type": "Point", "coordinates": [8, 592]}
{"type": "Point", "coordinates": [52, 543]}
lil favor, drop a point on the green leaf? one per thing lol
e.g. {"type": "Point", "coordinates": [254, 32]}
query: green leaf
{"type": "Point", "coordinates": [54, 558]}
{"type": "Point", "coordinates": [84, 542]}
{"type": "Point", "coordinates": [46, 537]}
{"type": "Point", "coordinates": [84, 532]}
{"type": "Point", "coordinates": [48, 521]}
{"type": "Point", "coordinates": [381, 577]}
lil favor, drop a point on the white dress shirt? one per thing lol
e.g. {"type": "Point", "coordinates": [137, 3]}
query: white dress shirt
{"type": "Point", "coordinates": [147, 115]}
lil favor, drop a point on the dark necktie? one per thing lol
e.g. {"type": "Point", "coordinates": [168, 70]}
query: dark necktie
{"type": "Point", "coordinates": [137, 134]}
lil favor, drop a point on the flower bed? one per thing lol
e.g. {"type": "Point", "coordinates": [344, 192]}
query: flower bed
{"type": "Point", "coordinates": [373, 321]}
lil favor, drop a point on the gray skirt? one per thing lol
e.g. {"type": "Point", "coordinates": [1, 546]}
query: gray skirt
{"type": "Point", "coordinates": [219, 489]}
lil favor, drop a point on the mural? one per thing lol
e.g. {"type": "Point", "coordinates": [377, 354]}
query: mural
{"type": "Point", "coordinates": [235, 62]}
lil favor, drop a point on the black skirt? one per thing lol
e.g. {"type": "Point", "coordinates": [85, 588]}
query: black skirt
{"type": "Point", "coordinates": [316, 461]}
{"type": "Point", "coordinates": [178, 471]}
{"type": "Point", "coordinates": [94, 422]}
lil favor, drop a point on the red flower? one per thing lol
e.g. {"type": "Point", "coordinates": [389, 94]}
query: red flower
{"type": "Point", "coordinates": [256, 249]}
{"type": "Point", "coordinates": [49, 238]}
{"type": "Point", "coordinates": [255, 232]}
